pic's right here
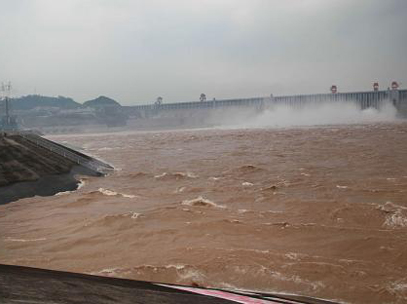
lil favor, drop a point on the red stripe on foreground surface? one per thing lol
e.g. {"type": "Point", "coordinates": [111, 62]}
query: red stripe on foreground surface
{"type": "Point", "coordinates": [222, 295]}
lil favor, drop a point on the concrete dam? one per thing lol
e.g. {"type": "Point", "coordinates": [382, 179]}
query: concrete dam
{"type": "Point", "coordinates": [211, 112]}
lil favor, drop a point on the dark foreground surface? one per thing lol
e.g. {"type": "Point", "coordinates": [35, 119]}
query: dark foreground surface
{"type": "Point", "coordinates": [31, 285]}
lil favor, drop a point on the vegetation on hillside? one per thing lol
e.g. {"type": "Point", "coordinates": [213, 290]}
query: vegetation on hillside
{"type": "Point", "coordinates": [30, 102]}
{"type": "Point", "coordinates": [33, 101]}
{"type": "Point", "coordinates": [100, 102]}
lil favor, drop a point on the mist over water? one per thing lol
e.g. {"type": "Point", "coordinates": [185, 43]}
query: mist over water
{"type": "Point", "coordinates": [282, 116]}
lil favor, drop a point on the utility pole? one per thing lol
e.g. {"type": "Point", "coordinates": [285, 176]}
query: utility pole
{"type": "Point", "coordinates": [6, 90]}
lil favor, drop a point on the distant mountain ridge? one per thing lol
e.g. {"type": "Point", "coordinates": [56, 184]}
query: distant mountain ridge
{"type": "Point", "coordinates": [30, 102]}
{"type": "Point", "coordinates": [33, 101]}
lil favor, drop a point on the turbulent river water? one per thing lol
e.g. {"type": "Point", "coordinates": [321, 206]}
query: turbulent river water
{"type": "Point", "coordinates": [319, 211]}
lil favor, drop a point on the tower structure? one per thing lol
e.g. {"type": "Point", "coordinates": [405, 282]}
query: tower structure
{"type": "Point", "coordinates": [202, 97]}
{"type": "Point", "coordinates": [8, 121]}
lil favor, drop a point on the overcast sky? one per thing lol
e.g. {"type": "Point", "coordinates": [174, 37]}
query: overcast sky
{"type": "Point", "coordinates": [134, 51]}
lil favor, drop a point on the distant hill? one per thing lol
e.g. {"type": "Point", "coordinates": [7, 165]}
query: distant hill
{"type": "Point", "coordinates": [101, 101]}
{"type": "Point", "coordinates": [33, 101]}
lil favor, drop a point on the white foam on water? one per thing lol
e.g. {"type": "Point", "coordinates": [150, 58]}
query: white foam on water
{"type": "Point", "coordinates": [135, 215]}
{"type": "Point", "coordinates": [261, 270]}
{"type": "Point", "coordinates": [396, 220]}
{"type": "Point", "coordinates": [388, 206]}
{"type": "Point", "coordinates": [107, 192]}
{"type": "Point", "coordinates": [105, 149]}
{"type": "Point", "coordinates": [107, 271]}
{"type": "Point", "coordinates": [242, 211]}
{"type": "Point", "coordinates": [64, 193]}
{"type": "Point", "coordinates": [156, 268]}
{"type": "Point", "coordinates": [114, 193]}
{"type": "Point", "coordinates": [292, 256]}
{"type": "Point", "coordinates": [161, 175]}
{"type": "Point", "coordinates": [176, 174]}
{"type": "Point", "coordinates": [190, 274]}
{"type": "Point", "coordinates": [189, 174]}
{"type": "Point", "coordinates": [10, 239]}
{"type": "Point", "coordinates": [315, 285]}
{"type": "Point", "coordinates": [180, 190]}
{"type": "Point", "coordinates": [396, 215]}
{"type": "Point", "coordinates": [247, 184]}
{"type": "Point", "coordinates": [399, 289]}
{"type": "Point", "coordinates": [341, 187]}
{"type": "Point", "coordinates": [80, 185]}
{"type": "Point", "coordinates": [128, 195]}
{"type": "Point", "coordinates": [176, 266]}
{"type": "Point", "coordinates": [202, 202]}
{"type": "Point", "coordinates": [228, 286]}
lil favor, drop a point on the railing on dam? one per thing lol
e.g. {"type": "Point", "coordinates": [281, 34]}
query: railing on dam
{"type": "Point", "coordinates": [372, 99]}
{"type": "Point", "coordinates": [363, 99]}
{"type": "Point", "coordinates": [75, 156]}
{"type": "Point", "coordinates": [257, 101]}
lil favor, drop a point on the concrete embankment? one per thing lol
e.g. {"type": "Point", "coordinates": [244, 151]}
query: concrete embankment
{"type": "Point", "coordinates": [28, 169]}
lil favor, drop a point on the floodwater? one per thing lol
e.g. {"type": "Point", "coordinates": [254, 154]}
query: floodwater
{"type": "Point", "coordinates": [319, 211]}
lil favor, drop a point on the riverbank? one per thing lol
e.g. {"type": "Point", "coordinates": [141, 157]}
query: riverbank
{"type": "Point", "coordinates": [27, 170]}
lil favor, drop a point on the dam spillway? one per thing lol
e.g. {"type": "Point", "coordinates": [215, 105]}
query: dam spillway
{"type": "Point", "coordinates": [363, 100]}
{"type": "Point", "coordinates": [204, 113]}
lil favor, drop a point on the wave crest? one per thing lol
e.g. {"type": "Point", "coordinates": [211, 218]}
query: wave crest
{"type": "Point", "coordinates": [175, 176]}
{"type": "Point", "coordinates": [202, 202]}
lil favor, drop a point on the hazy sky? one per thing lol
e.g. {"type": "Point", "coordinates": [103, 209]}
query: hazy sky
{"type": "Point", "coordinates": [134, 51]}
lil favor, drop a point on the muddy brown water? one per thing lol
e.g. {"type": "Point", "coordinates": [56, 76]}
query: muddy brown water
{"type": "Point", "coordinates": [319, 211]}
